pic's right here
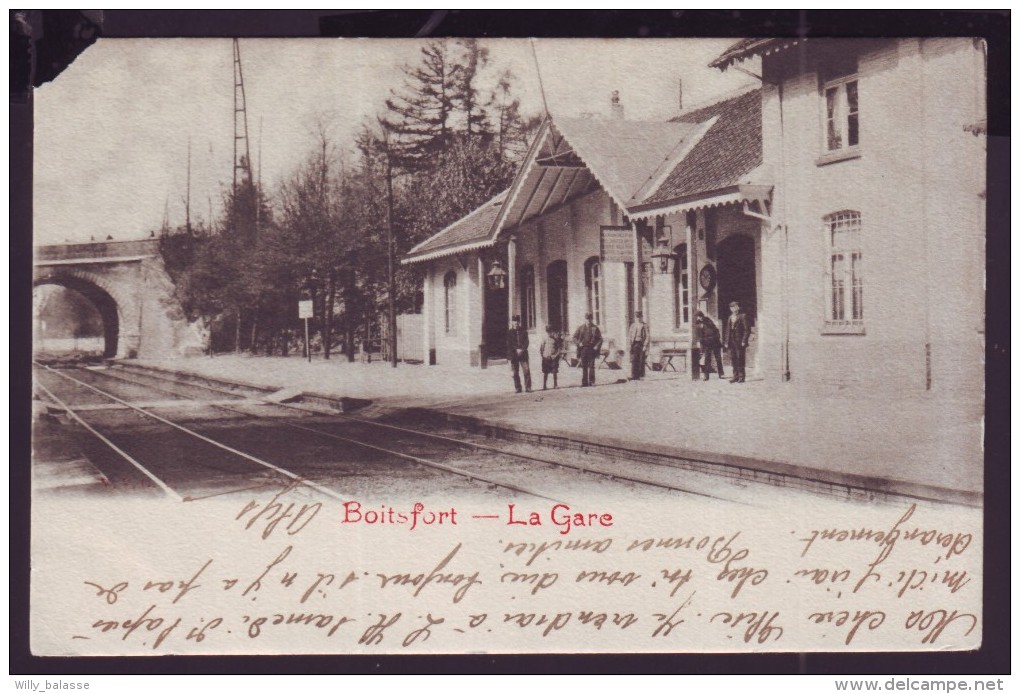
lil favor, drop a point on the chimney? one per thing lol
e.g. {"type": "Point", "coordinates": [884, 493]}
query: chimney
{"type": "Point", "coordinates": [615, 107]}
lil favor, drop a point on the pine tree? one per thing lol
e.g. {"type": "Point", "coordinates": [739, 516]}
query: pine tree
{"type": "Point", "coordinates": [420, 116]}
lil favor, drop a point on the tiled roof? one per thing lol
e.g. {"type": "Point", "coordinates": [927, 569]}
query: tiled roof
{"type": "Point", "coordinates": [476, 227]}
{"type": "Point", "coordinates": [703, 151]}
{"type": "Point", "coordinates": [729, 151]}
{"type": "Point", "coordinates": [747, 48]}
{"type": "Point", "coordinates": [623, 155]}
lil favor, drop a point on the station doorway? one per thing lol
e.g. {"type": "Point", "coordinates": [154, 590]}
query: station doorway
{"type": "Point", "coordinates": [736, 282]}
{"type": "Point", "coordinates": [556, 284]}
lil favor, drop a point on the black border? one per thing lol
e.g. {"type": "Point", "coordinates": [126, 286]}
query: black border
{"type": "Point", "coordinates": [993, 26]}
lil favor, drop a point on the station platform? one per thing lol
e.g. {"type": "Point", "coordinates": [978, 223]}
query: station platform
{"type": "Point", "coordinates": [925, 445]}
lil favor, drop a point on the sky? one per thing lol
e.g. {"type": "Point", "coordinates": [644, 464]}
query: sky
{"type": "Point", "coordinates": [112, 132]}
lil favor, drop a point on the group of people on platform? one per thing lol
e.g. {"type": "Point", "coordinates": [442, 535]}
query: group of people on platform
{"type": "Point", "coordinates": [588, 339]}
{"type": "Point", "coordinates": [711, 343]}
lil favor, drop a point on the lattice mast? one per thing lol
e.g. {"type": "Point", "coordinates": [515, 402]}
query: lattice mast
{"type": "Point", "coordinates": [242, 151]}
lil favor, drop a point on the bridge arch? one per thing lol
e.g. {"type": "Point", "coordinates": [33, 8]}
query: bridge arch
{"type": "Point", "coordinates": [103, 297]}
{"type": "Point", "coordinates": [130, 288]}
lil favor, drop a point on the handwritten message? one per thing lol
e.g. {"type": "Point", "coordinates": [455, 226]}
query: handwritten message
{"type": "Point", "coordinates": [287, 571]}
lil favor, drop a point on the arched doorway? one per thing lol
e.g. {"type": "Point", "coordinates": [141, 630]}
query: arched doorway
{"type": "Point", "coordinates": [736, 281]}
{"type": "Point", "coordinates": [556, 284]}
{"type": "Point", "coordinates": [73, 312]}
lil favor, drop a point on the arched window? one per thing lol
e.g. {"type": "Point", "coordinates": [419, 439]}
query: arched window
{"type": "Point", "coordinates": [528, 318]}
{"type": "Point", "coordinates": [593, 284]}
{"type": "Point", "coordinates": [845, 272]}
{"type": "Point", "coordinates": [450, 302]}
{"type": "Point", "coordinates": [681, 289]}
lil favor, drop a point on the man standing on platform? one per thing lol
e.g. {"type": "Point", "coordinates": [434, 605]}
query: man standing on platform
{"type": "Point", "coordinates": [517, 353]}
{"type": "Point", "coordinates": [711, 345]}
{"type": "Point", "coordinates": [588, 338]}
{"type": "Point", "coordinates": [637, 338]}
{"type": "Point", "coordinates": [737, 335]}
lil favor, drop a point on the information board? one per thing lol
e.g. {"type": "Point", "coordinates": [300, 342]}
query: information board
{"type": "Point", "coordinates": [617, 245]}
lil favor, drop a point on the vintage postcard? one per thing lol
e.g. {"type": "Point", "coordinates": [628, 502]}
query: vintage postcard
{"type": "Point", "coordinates": [452, 346]}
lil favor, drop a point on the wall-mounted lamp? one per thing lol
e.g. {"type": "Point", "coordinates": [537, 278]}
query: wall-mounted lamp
{"type": "Point", "coordinates": [496, 277]}
{"type": "Point", "coordinates": [663, 255]}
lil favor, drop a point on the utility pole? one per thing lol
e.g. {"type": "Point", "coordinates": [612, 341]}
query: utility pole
{"type": "Point", "coordinates": [242, 156]}
{"type": "Point", "coordinates": [187, 198]}
{"type": "Point", "coordinates": [242, 159]}
{"type": "Point", "coordinates": [258, 187]}
{"type": "Point", "coordinates": [389, 253]}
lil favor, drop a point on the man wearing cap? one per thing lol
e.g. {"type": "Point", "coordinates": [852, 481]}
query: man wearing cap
{"type": "Point", "coordinates": [710, 343]}
{"type": "Point", "coordinates": [588, 339]}
{"type": "Point", "coordinates": [637, 338]}
{"type": "Point", "coordinates": [738, 333]}
{"type": "Point", "coordinates": [517, 353]}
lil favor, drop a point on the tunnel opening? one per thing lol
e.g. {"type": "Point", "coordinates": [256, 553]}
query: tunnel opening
{"type": "Point", "coordinates": [71, 316]}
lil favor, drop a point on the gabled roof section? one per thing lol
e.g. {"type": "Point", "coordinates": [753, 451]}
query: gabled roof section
{"type": "Point", "coordinates": [471, 231]}
{"type": "Point", "coordinates": [644, 166]}
{"type": "Point", "coordinates": [624, 155]}
{"type": "Point", "coordinates": [725, 154]}
{"type": "Point", "coordinates": [748, 48]}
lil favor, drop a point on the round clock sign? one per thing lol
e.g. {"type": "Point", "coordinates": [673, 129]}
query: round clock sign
{"type": "Point", "coordinates": [707, 278]}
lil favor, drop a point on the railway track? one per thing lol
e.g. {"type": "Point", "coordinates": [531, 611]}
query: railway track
{"type": "Point", "coordinates": [413, 446]}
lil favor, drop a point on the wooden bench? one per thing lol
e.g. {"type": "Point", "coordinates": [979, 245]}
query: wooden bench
{"type": "Point", "coordinates": [611, 356]}
{"type": "Point", "coordinates": [669, 353]}
{"type": "Point", "coordinates": [667, 356]}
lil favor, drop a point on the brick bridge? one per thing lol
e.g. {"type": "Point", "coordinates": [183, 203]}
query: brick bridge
{"type": "Point", "coordinates": [126, 282]}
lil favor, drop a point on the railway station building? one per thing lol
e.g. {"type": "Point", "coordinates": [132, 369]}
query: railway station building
{"type": "Point", "coordinates": [840, 201]}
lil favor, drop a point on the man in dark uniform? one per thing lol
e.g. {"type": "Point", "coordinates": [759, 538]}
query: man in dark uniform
{"type": "Point", "coordinates": [737, 335]}
{"type": "Point", "coordinates": [710, 344]}
{"type": "Point", "coordinates": [517, 353]}
{"type": "Point", "coordinates": [588, 338]}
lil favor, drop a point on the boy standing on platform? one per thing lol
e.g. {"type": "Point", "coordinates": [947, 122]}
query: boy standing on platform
{"type": "Point", "coordinates": [550, 350]}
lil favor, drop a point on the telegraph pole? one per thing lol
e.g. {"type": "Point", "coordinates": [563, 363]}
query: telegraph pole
{"type": "Point", "coordinates": [389, 256]}
{"type": "Point", "coordinates": [187, 198]}
{"type": "Point", "coordinates": [242, 159]}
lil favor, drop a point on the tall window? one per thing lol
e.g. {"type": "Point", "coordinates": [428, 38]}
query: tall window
{"type": "Point", "coordinates": [845, 272]}
{"type": "Point", "coordinates": [681, 289]}
{"type": "Point", "coordinates": [593, 283]}
{"type": "Point", "coordinates": [450, 302]}
{"type": "Point", "coordinates": [528, 318]}
{"type": "Point", "coordinates": [842, 116]}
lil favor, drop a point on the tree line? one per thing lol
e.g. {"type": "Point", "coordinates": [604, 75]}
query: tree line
{"type": "Point", "coordinates": [442, 144]}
